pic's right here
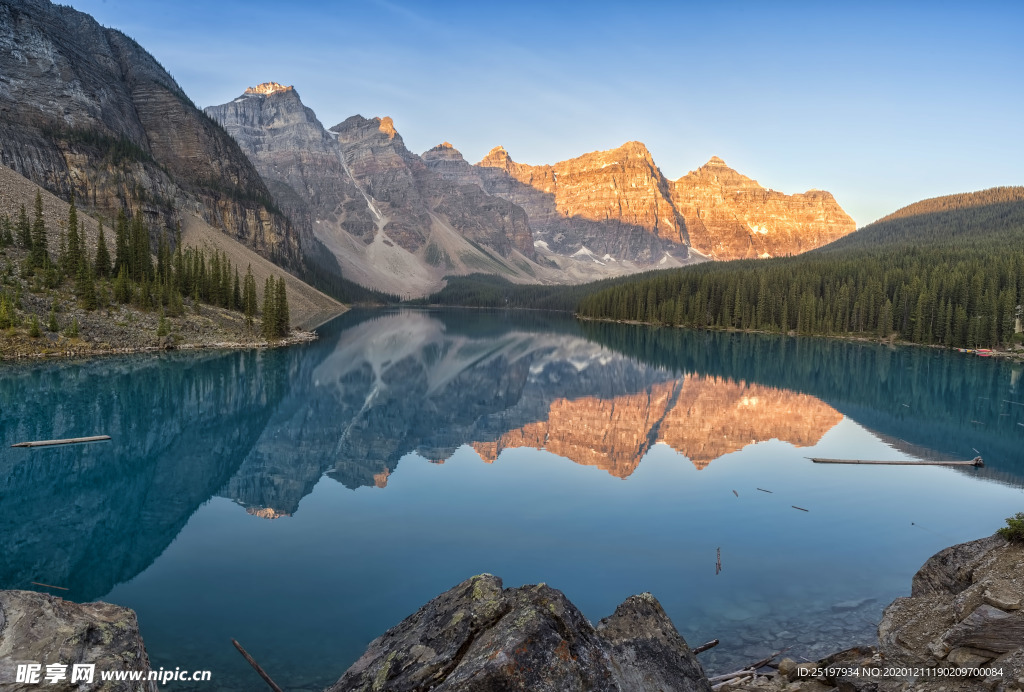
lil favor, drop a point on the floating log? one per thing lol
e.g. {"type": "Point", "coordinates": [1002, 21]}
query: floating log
{"type": "Point", "coordinates": [976, 461]}
{"type": "Point", "coordinates": [50, 586]}
{"type": "Point", "coordinates": [256, 666]}
{"type": "Point", "coordinates": [69, 441]}
{"type": "Point", "coordinates": [764, 491]}
{"type": "Point", "coordinates": [704, 647]}
{"type": "Point", "coordinates": [800, 508]}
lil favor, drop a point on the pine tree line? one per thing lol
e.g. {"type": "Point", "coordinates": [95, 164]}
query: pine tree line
{"type": "Point", "coordinates": [923, 297]}
{"type": "Point", "coordinates": [130, 275]}
{"type": "Point", "coordinates": [948, 271]}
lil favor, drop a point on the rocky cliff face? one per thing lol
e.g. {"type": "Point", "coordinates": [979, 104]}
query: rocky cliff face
{"type": "Point", "coordinates": [730, 216]}
{"type": "Point", "coordinates": [612, 205]}
{"type": "Point", "coordinates": [390, 220]}
{"type": "Point", "coordinates": [618, 203]}
{"type": "Point", "coordinates": [414, 200]}
{"type": "Point", "coordinates": [478, 637]}
{"type": "Point", "coordinates": [293, 152]}
{"type": "Point", "coordinates": [85, 108]}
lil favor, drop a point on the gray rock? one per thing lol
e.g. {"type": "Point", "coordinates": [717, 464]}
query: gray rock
{"type": "Point", "coordinates": [480, 637]}
{"type": "Point", "coordinates": [1002, 595]}
{"type": "Point", "coordinates": [41, 629]}
{"type": "Point", "coordinates": [989, 628]}
{"type": "Point", "coordinates": [646, 650]}
{"type": "Point", "coordinates": [952, 570]}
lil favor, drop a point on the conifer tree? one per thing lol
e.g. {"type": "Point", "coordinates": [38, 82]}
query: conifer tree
{"type": "Point", "coordinates": [85, 287]}
{"type": "Point", "coordinates": [269, 309]}
{"type": "Point", "coordinates": [139, 251]}
{"type": "Point", "coordinates": [24, 229]}
{"type": "Point", "coordinates": [236, 293]}
{"type": "Point", "coordinates": [176, 306]}
{"type": "Point", "coordinates": [39, 257]}
{"type": "Point", "coordinates": [102, 263]}
{"type": "Point", "coordinates": [74, 248]}
{"type": "Point", "coordinates": [281, 305]}
{"type": "Point", "coordinates": [121, 243]}
{"type": "Point", "coordinates": [122, 288]}
{"type": "Point", "coordinates": [249, 296]}
{"type": "Point", "coordinates": [225, 283]}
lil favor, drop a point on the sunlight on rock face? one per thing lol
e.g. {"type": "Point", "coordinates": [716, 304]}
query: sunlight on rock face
{"type": "Point", "coordinates": [267, 88]}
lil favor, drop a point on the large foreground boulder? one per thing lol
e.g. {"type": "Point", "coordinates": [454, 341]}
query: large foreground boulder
{"type": "Point", "coordinates": [964, 611]}
{"type": "Point", "coordinates": [43, 630]}
{"type": "Point", "coordinates": [479, 637]}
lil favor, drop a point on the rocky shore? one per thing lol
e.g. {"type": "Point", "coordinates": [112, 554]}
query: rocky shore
{"type": "Point", "coordinates": [39, 629]}
{"type": "Point", "coordinates": [962, 628]}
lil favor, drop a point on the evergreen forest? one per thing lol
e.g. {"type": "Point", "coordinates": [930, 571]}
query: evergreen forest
{"type": "Point", "coordinates": [947, 271]}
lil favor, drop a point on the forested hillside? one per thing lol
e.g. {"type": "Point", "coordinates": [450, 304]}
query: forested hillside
{"type": "Point", "coordinates": [946, 271]}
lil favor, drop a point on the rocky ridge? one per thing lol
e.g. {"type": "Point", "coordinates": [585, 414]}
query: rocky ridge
{"type": "Point", "coordinates": [730, 216]}
{"type": "Point", "coordinates": [87, 109]}
{"type": "Point", "coordinates": [384, 211]}
{"type": "Point", "coordinates": [389, 220]}
{"type": "Point", "coordinates": [604, 207]}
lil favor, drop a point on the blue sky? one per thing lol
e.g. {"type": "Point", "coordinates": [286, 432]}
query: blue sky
{"type": "Point", "coordinates": [881, 104]}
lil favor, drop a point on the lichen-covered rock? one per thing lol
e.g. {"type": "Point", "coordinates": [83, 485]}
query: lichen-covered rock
{"type": "Point", "coordinates": [40, 629]}
{"type": "Point", "coordinates": [480, 637]}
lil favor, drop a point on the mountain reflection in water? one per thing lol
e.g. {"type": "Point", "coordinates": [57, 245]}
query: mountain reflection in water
{"type": "Point", "coordinates": [265, 428]}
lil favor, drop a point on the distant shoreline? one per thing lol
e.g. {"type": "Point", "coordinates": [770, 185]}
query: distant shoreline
{"type": "Point", "coordinates": [82, 350]}
{"type": "Point", "coordinates": [995, 353]}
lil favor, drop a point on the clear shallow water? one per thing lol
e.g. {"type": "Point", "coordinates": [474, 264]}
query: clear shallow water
{"type": "Point", "coordinates": [600, 459]}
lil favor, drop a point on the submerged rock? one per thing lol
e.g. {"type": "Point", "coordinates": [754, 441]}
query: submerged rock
{"type": "Point", "coordinates": [480, 637]}
{"type": "Point", "coordinates": [44, 630]}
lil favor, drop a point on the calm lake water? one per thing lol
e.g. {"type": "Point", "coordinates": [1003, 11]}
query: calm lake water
{"type": "Point", "coordinates": [303, 500]}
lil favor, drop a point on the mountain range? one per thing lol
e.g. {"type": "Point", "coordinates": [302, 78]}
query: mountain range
{"type": "Point", "coordinates": [86, 109]}
{"type": "Point", "coordinates": [401, 222]}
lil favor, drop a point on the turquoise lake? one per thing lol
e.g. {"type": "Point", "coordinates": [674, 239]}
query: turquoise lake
{"type": "Point", "coordinates": [303, 500]}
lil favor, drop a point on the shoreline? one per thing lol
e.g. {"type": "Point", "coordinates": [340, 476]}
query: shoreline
{"type": "Point", "coordinates": [995, 353]}
{"type": "Point", "coordinates": [296, 337]}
